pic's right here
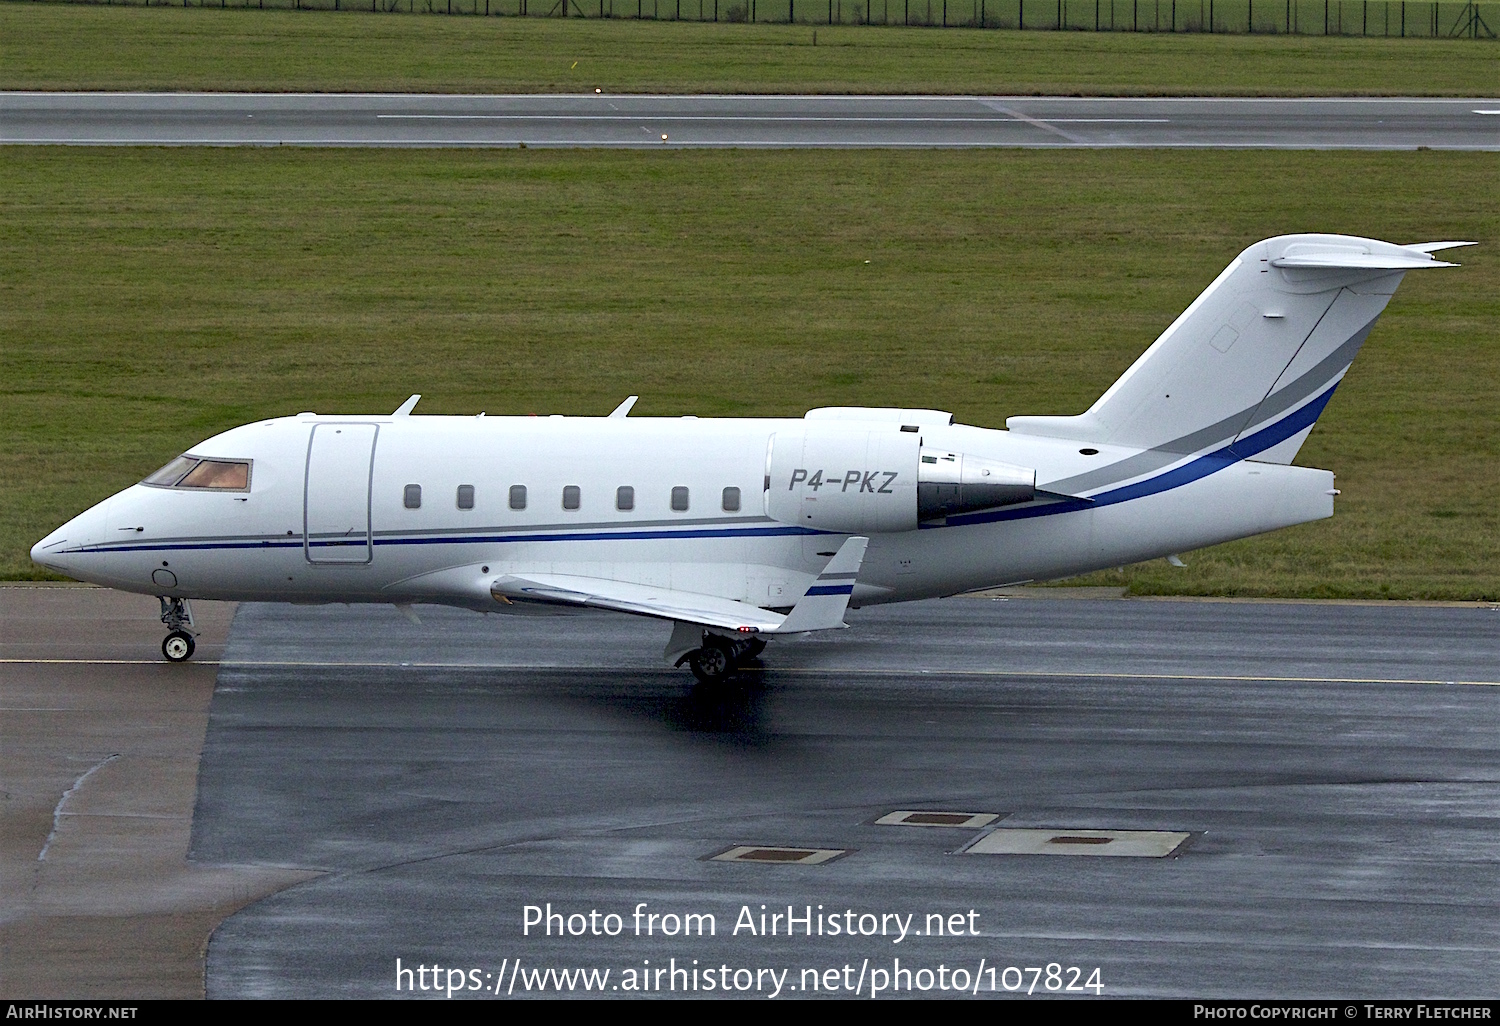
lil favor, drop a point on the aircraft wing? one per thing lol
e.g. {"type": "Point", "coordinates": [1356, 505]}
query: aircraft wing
{"type": "Point", "coordinates": [820, 608]}
{"type": "Point", "coordinates": [623, 597]}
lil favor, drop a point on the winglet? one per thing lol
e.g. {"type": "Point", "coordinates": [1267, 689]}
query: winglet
{"type": "Point", "coordinates": [404, 410]}
{"type": "Point", "coordinates": [822, 606]}
{"type": "Point", "coordinates": [623, 410]}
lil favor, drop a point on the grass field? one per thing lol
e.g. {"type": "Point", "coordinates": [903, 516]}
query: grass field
{"type": "Point", "coordinates": [149, 298]}
{"type": "Point", "coordinates": [55, 46]}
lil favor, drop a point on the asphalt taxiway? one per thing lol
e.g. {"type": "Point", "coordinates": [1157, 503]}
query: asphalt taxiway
{"type": "Point", "coordinates": [1336, 766]}
{"type": "Point", "coordinates": [372, 789]}
{"type": "Point", "coordinates": [604, 120]}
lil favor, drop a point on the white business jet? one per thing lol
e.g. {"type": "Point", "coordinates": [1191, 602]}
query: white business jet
{"type": "Point", "coordinates": [739, 531]}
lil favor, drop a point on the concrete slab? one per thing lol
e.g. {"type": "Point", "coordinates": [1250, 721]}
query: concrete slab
{"type": "Point", "coordinates": [99, 747]}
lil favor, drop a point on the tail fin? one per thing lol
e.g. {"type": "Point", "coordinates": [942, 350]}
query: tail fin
{"type": "Point", "coordinates": [1252, 362]}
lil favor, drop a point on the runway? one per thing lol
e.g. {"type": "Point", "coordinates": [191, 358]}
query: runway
{"type": "Point", "coordinates": [268, 119]}
{"type": "Point", "coordinates": [1336, 767]}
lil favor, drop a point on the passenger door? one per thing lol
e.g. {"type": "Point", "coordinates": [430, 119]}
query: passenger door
{"type": "Point", "coordinates": [336, 493]}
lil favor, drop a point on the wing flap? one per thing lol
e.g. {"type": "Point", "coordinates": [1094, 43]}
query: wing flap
{"type": "Point", "coordinates": [640, 599]}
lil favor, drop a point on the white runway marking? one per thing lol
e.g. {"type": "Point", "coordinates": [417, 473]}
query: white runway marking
{"type": "Point", "coordinates": [774, 118]}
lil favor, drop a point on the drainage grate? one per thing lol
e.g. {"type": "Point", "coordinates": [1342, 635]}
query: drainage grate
{"type": "Point", "coordinates": [779, 854]}
{"type": "Point", "coordinates": [972, 820]}
{"type": "Point", "coordinates": [1150, 844]}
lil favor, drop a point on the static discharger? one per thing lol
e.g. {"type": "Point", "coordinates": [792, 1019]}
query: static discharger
{"type": "Point", "coordinates": [778, 854]}
{"type": "Point", "coordinates": [970, 820]}
{"type": "Point", "coordinates": [1147, 844]}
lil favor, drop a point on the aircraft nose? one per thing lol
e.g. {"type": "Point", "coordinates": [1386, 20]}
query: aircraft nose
{"type": "Point", "coordinates": [39, 550]}
{"type": "Point", "coordinates": [67, 550]}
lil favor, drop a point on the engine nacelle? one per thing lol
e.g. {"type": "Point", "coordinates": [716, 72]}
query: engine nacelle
{"type": "Point", "coordinates": [848, 479]}
{"type": "Point", "coordinates": [949, 483]}
{"type": "Point", "coordinates": [858, 480]}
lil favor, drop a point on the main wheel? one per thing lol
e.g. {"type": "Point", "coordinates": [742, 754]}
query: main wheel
{"type": "Point", "coordinates": [178, 646]}
{"type": "Point", "coordinates": [714, 662]}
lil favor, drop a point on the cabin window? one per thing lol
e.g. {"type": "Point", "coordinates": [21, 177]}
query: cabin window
{"type": "Point", "coordinates": [517, 496]}
{"type": "Point", "coordinates": [195, 472]}
{"type": "Point", "coordinates": [731, 500]}
{"type": "Point", "coordinates": [625, 498]}
{"type": "Point", "coordinates": [412, 498]}
{"type": "Point", "coordinates": [465, 496]}
{"type": "Point", "coordinates": [572, 497]}
{"type": "Point", "coordinates": [680, 498]}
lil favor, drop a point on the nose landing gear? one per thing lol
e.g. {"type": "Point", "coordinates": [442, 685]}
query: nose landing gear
{"type": "Point", "coordinates": [178, 616]}
{"type": "Point", "coordinates": [178, 646]}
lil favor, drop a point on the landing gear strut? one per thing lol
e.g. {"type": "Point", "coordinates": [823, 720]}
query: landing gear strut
{"type": "Point", "coordinates": [178, 616]}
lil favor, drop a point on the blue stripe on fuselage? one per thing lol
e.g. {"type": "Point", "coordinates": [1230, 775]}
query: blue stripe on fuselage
{"type": "Point", "coordinates": [1189, 472]}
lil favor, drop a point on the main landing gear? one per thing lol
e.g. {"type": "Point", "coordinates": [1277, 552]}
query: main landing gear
{"type": "Point", "coordinates": [178, 616]}
{"type": "Point", "coordinates": [720, 656]}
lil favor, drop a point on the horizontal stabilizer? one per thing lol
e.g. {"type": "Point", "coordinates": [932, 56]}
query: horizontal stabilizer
{"type": "Point", "coordinates": [1328, 259]}
{"type": "Point", "coordinates": [1433, 247]}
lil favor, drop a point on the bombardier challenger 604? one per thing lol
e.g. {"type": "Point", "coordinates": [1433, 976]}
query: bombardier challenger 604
{"type": "Point", "coordinates": [739, 531]}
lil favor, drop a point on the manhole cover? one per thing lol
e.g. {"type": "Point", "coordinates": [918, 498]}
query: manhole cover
{"type": "Point", "coordinates": [972, 820]}
{"type": "Point", "coordinates": [1150, 844]}
{"type": "Point", "coordinates": [779, 854]}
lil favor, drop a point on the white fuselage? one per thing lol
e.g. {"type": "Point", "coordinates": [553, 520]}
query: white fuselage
{"type": "Point", "coordinates": [272, 542]}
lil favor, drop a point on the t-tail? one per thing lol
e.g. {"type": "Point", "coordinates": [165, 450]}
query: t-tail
{"type": "Point", "coordinates": [1246, 370]}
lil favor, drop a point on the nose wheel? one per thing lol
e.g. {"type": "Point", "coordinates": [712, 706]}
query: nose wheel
{"type": "Point", "coordinates": [178, 645]}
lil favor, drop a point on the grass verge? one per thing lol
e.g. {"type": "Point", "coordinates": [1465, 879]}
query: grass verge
{"type": "Point", "coordinates": [60, 46]}
{"type": "Point", "coordinates": [150, 298]}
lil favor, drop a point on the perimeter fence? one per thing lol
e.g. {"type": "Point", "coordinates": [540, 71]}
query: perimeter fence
{"type": "Point", "coordinates": [1431, 19]}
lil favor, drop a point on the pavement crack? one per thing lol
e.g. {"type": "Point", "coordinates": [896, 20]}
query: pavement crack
{"type": "Point", "coordinates": [57, 813]}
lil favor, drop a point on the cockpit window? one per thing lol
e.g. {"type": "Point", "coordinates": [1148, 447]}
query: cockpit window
{"type": "Point", "coordinates": [172, 473]}
{"type": "Point", "coordinates": [193, 472]}
{"type": "Point", "coordinates": [218, 474]}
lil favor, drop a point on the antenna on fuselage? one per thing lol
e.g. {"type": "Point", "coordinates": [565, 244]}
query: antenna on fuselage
{"type": "Point", "coordinates": [404, 410]}
{"type": "Point", "coordinates": [623, 410]}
